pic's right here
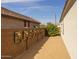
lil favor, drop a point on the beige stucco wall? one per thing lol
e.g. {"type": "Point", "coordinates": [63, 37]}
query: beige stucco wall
{"type": "Point", "coordinates": [68, 31]}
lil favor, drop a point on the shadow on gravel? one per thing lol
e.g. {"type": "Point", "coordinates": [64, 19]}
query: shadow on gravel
{"type": "Point", "coordinates": [32, 51]}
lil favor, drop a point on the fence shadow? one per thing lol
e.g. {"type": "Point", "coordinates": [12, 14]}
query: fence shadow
{"type": "Point", "coordinates": [33, 50]}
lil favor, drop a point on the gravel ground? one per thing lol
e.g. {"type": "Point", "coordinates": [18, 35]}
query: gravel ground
{"type": "Point", "coordinates": [48, 48]}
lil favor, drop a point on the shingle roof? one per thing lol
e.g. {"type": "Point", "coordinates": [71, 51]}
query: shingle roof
{"type": "Point", "coordinates": [7, 12]}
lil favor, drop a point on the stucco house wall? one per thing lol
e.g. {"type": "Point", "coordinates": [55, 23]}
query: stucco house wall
{"type": "Point", "coordinates": [68, 31]}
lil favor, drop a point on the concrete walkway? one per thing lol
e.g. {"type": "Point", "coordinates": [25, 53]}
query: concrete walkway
{"type": "Point", "coordinates": [48, 48]}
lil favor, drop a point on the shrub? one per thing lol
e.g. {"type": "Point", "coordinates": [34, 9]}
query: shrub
{"type": "Point", "coordinates": [52, 29]}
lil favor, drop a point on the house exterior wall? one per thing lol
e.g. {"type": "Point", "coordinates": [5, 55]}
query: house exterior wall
{"type": "Point", "coordinates": [68, 31]}
{"type": "Point", "coordinates": [10, 22]}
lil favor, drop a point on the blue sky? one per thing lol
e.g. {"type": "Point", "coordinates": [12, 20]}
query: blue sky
{"type": "Point", "coordinates": [41, 10]}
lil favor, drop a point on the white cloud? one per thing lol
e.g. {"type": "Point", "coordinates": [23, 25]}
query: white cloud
{"type": "Point", "coordinates": [7, 1]}
{"type": "Point", "coordinates": [41, 8]}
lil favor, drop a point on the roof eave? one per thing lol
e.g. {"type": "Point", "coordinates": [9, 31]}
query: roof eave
{"type": "Point", "coordinates": [68, 5]}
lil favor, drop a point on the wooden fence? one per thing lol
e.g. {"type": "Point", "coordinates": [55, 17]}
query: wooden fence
{"type": "Point", "coordinates": [16, 41]}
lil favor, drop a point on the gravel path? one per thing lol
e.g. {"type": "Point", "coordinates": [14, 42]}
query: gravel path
{"type": "Point", "coordinates": [48, 48]}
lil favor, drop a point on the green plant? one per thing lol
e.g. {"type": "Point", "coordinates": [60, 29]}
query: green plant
{"type": "Point", "coordinates": [52, 29]}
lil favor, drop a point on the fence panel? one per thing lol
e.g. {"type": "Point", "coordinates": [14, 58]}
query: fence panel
{"type": "Point", "coordinates": [15, 41]}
